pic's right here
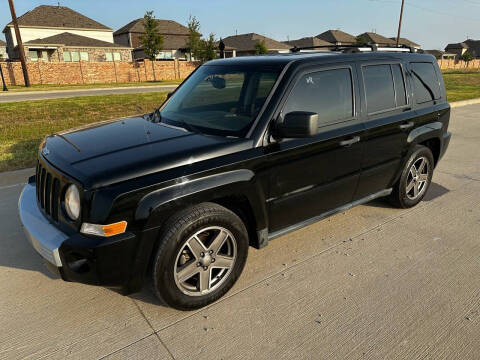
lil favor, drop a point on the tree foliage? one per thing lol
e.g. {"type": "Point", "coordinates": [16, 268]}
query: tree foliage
{"type": "Point", "coordinates": [194, 37]}
{"type": "Point", "coordinates": [209, 48]}
{"type": "Point", "coordinates": [361, 40]}
{"type": "Point", "coordinates": [468, 56]}
{"type": "Point", "coordinates": [152, 41]}
{"type": "Point", "coordinates": [261, 48]}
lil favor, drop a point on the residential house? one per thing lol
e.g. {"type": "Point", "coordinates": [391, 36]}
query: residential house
{"type": "Point", "coordinates": [175, 38]}
{"type": "Point", "coordinates": [337, 37]}
{"type": "Point", "coordinates": [376, 39]}
{"type": "Point", "coordinates": [245, 44]}
{"type": "Point", "coordinates": [470, 45]}
{"type": "Point", "coordinates": [457, 48]}
{"type": "Point", "coordinates": [58, 33]}
{"type": "Point", "coordinates": [406, 42]}
{"type": "Point", "coordinates": [3, 50]}
{"type": "Point", "coordinates": [439, 55]}
{"type": "Point", "coordinates": [308, 42]}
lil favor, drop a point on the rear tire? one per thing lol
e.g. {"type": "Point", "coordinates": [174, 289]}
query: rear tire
{"type": "Point", "coordinates": [415, 179]}
{"type": "Point", "coordinates": [201, 253]}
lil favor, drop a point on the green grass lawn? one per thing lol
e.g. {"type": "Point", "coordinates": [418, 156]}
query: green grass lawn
{"type": "Point", "coordinates": [52, 87]}
{"type": "Point", "coordinates": [462, 85]}
{"type": "Point", "coordinates": [24, 124]}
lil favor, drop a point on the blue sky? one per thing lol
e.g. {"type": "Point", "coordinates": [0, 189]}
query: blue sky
{"type": "Point", "coordinates": [432, 23]}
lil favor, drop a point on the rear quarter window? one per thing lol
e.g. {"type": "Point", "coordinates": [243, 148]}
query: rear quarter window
{"type": "Point", "coordinates": [425, 82]}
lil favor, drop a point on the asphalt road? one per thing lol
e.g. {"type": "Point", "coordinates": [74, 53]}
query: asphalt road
{"type": "Point", "coordinates": [373, 282]}
{"type": "Point", "coordinates": [44, 95]}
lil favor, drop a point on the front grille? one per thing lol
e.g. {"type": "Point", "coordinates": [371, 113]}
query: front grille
{"type": "Point", "coordinates": [48, 191]}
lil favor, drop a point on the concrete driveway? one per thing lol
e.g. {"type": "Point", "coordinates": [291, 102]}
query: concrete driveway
{"type": "Point", "coordinates": [374, 282]}
{"type": "Point", "coordinates": [44, 95]}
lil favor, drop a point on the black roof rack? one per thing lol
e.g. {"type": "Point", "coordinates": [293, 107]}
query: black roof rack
{"type": "Point", "coordinates": [355, 48]}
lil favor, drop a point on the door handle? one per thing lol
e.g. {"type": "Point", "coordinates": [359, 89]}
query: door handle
{"type": "Point", "coordinates": [350, 142]}
{"type": "Point", "coordinates": [408, 125]}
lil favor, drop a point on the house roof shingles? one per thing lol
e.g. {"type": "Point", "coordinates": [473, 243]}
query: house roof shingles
{"type": "Point", "coordinates": [405, 41]}
{"type": "Point", "coordinates": [337, 36]}
{"type": "Point", "coordinates": [164, 27]}
{"type": "Point", "coordinates": [375, 38]}
{"type": "Point", "coordinates": [247, 42]}
{"type": "Point", "coordinates": [69, 39]}
{"type": "Point", "coordinates": [58, 17]}
{"type": "Point", "coordinates": [461, 45]}
{"type": "Point", "coordinates": [307, 42]}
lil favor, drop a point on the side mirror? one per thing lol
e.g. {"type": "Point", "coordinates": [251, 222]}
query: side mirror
{"type": "Point", "coordinates": [298, 124]}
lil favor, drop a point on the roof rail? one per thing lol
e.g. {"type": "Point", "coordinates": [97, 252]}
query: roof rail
{"type": "Point", "coordinates": [358, 48]}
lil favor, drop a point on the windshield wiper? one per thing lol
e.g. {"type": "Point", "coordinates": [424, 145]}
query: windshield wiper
{"type": "Point", "coordinates": [189, 127]}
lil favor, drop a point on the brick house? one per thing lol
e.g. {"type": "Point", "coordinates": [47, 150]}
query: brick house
{"type": "Point", "coordinates": [244, 44]}
{"type": "Point", "coordinates": [337, 37]}
{"type": "Point", "coordinates": [3, 50]}
{"type": "Point", "coordinates": [175, 39]}
{"type": "Point", "coordinates": [58, 33]}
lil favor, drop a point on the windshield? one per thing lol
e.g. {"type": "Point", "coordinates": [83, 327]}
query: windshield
{"type": "Point", "coordinates": [220, 100]}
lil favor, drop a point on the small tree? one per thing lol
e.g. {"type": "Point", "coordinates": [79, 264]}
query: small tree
{"type": "Point", "coordinates": [152, 41]}
{"type": "Point", "coordinates": [194, 38]}
{"type": "Point", "coordinates": [260, 48]}
{"type": "Point", "coordinates": [467, 56]}
{"type": "Point", "coordinates": [209, 48]}
{"type": "Point", "coordinates": [361, 40]}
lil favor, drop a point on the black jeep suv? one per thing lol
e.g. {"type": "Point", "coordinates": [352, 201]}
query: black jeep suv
{"type": "Point", "coordinates": [245, 150]}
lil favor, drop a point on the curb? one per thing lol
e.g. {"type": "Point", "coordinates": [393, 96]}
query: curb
{"type": "Point", "coordinates": [464, 103]}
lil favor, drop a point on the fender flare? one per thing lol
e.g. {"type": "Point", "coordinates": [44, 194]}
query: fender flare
{"type": "Point", "coordinates": [155, 207]}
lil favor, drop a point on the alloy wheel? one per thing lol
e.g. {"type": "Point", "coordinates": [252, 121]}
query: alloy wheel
{"type": "Point", "coordinates": [205, 261]}
{"type": "Point", "coordinates": [417, 179]}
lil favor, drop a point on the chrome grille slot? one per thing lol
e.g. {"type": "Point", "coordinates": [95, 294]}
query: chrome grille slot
{"type": "Point", "coordinates": [55, 198]}
{"type": "Point", "coordinates": [48, 194]}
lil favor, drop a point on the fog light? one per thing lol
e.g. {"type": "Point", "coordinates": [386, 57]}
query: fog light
{"type": "Point", "coordinates": [104, 230]}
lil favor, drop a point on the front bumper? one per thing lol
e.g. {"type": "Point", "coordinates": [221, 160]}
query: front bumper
{"type": "Point", "coordinates": [44, 237]}
{"type": "Point", "coordinates": [120, 261]}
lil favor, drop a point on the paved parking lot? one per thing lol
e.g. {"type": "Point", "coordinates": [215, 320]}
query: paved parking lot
{"type": "Point", "coordinates": [373, 282]}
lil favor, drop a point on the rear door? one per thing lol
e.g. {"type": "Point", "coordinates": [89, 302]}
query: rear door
{"type": "Point", "coordinates": [311, 176]}
{"type": "Point", "coordinates": [388, 117]}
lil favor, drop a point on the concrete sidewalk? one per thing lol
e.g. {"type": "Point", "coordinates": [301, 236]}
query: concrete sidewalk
{"type": "Point", "coordinates": [373, 282]}
{"type": "Point", "coordinates": [56, 94]}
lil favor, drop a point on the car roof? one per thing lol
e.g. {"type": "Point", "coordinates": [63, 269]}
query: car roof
{"type": "Point", "coordinates": [300, 58]}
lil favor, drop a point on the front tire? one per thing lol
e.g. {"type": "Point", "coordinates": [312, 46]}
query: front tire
{"type": "Point", "coordinates": [201, 253]}
{"type": "Point", "coordinates": [415, 179]}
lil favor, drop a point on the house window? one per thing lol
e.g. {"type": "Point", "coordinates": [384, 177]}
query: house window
{"type": "Point", "coordinates": [66, 56]}
{"type": "Point", "coordinates": [109, 56]}
{"type": "Point", "coordinates": [117, 56]}
{"type": "Point", "coordinates": [33, 55]}
{"type": "Point", "coordinates": [75, 56]}
{"type": "Point", "coordinates": [84, 56]}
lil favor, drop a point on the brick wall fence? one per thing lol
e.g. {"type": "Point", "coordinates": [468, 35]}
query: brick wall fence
{"type": "Point", "coordinates": [84, 72]}
{"type": "Point", "coordinates": [459, 64]}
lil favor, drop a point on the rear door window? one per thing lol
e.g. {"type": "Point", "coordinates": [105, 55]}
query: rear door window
{"type": "Point", "coordinates": [329, 93]}
{"type": "Point", "coordinates": [379, 88]}
{"type": "Point", "coordinates": [426, 84]}
{"type": "Point", "coordinates": [399, 81]}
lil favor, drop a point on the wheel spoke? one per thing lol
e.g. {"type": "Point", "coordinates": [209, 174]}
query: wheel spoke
{"type": "Point", "coordinates": [422, 166]}
{"type": "Point", "coordinates": [187, 271]}
{"type": "Point", "coordinates": [196, 246]}
{"type": "Point", "coordinates": [415, 189]}
{"type": "Point", "coordinates": [410, 186]}
{"type": "Point", "coordinates": [218, 241]}
{"type": "Point", "coordinates": [222, 261]}
{"type": "Point", "coordinates": [204, 280]}
{"type": "Point", "coordinates": [423, 177]}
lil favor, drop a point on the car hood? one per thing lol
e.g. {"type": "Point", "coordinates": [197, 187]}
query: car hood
{"type": "Point", "coordinates": [105, 153]}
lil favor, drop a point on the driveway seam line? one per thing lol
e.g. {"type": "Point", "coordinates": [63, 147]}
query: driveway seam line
{"type": "Point", "coordinates": [153, 329]}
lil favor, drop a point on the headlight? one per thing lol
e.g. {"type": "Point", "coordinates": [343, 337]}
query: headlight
{"type": "Point", "coordinates": [72, 202]}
